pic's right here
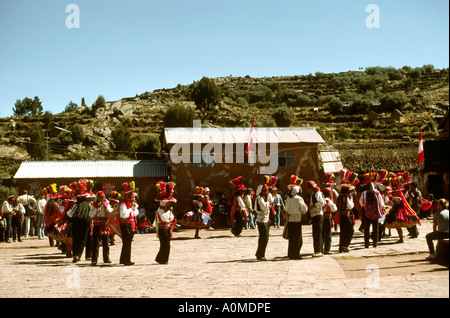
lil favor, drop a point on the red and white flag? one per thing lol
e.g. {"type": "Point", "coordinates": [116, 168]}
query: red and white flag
{"type": "Point", "coordinates": [250, 143]}
{"type": "Point", "coordinates": [420, 150]}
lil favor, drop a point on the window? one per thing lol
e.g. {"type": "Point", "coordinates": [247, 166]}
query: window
{"type": "Point", "coordinates": [200, 162]}
{"type": "Point", "coordinates": [285, 158]}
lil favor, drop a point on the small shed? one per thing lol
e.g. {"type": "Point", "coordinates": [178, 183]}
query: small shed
{"type": "Point", "coordinates": [108, 175]}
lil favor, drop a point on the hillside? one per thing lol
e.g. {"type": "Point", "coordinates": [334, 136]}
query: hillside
{"type": "Point", "coordinates": [377, 104]}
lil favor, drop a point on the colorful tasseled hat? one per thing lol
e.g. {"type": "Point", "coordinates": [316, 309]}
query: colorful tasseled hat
{"type": "Point", "coordinates": [238, 183]}
{"type": "Point", "coordinates": [115, 196]}
{"type": "Point", "coordinates": [198, 191]}
{"type": "Point", "coordinates": [329, 179]}
{"type": "Point", "coordinates": [271, 181]}
{"type": "Point", "coordinates": [349, 181]}
{"type": "Point", "coordinates": [128, 188]}
{"type": "Point", "coordinates": [51, 190]}
{"type": "Point", "coordinates": [165, 191]}
{"type": "Point", "coordinates": [396, 182]}
{"type": "Point", "coordinates": [295, 182]}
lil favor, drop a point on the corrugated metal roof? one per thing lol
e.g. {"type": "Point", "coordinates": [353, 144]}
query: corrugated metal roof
{"type": "Point", "coordinates": [241, 135]}
{"type": "Point", "coordinates": [91, 169]}
{"type": "Point", "coordinates": [331, 161]}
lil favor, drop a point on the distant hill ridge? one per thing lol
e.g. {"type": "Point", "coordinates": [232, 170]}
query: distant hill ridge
{"type": "Point", "coordinates": [340, 106]}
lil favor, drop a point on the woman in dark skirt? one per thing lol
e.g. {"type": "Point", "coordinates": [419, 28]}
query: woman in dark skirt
{"type": "Point", "coordinates": [345, 218]}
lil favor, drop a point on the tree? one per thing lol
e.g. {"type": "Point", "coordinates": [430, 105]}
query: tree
{"type": "Point", "coordinates": [147, 147]}
{"type": "Point", "coordinates": [71, 107]}
{"type": "Point", "coordinates": [205, 94]}
{"type": "Point", "coordinates": [28, 106]}
{"type": "Point", "coordinates": [121, 140]}
{"type": "Point", "coordinates": [335, 106]}
{"type": "Point", "coordinates": [37, 147]}
{"type": "Point", "coordinates": [395, 100]}
{"type": "Point", "coordinates": [99, 103]}
{"type": "Point", "coordinates": [283, 116]}
{"type": "Point", "coordinates": [179, 116]}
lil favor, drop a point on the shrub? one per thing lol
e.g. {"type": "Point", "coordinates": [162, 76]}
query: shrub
{"type": "Point", "coordinates": [78, 133]}
{"type": "Point", "coordinates": [147, 147]}
{"type": "Point", "coordinates": [283, 116]}
{"type": "Point", "coordinates": [335, 106]}
{"type": "Point", "coordinates": [37, 147]}
{"type": "Point", "coordinates": [178, 116]}
{"type": "Point", "coordinates": [395, 100]}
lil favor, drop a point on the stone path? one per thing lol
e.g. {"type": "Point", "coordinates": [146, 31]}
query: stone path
{"type": "Point", "coordinates": [223, 266]}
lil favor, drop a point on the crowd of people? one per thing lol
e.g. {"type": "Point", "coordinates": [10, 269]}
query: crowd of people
{"type": "Point", "coordinates": [76, 220]}
{"type": "Point", "coordinates": [380, 200]}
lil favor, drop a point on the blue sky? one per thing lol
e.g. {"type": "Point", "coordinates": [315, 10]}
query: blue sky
{"type": "Point", "coordinates": [123, 48]}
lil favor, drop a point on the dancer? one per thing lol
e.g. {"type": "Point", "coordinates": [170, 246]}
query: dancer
{"type": "Point", "coordinates": [295, 208]}
{"type": "Point", "coordinates": [315, 206]}
{"type": "Point", "coordinates": [129, 209]}
{"type": "Point", "coordinates": [81, 221]}
{"type": "Point", "coordinates": [373, 205]}
{"type": "Point", "coordinates": [262, 208]}
{"type": "Point", "coordinates": [401, 214]}
{"type": "Point", "coordinates": [195, 217]}
{"type": "Point", "coordinates": [165, 219]}
{"type": "Point", "coordinates": [100, 212]}
{"type": "Point", "coordinates": [238, 208]}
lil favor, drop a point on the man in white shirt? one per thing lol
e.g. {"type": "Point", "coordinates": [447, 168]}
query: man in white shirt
{"type": "Point", "coordinates": [7, 211]}
{"type": "Point", "coordinates": [262, 208]}
{"type": "Point", "coordinates": [316, 203]}
{"type": "Point", "coordinates": [295, 208]}
{"type": "Point", "coordinates": [129, 210]}
{"type": "Point", "coordinates": [40, 218]}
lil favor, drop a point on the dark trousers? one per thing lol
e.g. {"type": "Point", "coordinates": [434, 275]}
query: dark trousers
{"type": "Point", "coordinates": [164, 246]}
{"type": "Point", "coordinates": [317, 225]}
{"type": "Point", "coordinates": [89, 244]}
{"type": "Point", "coordinates": [127, 238]}
{"type": "Point", "coordinates": [263, 230]}
{"type": "Point", "coordinates": [347, 231]}
{"type": "Point", "coordinates": [96, 237]}
{"type": "Point", "coordinates": [326, 234]}
{"type": "Point", "coordinates": [435, 236]}
{"type": "Point", "coordinates": [367, 223]}
{"type": "Point", "coordinates": [295, 239]}
{"type": "Point", "coordinates": [80, 232]}
{"type": "Point", "coordinates": [238, 224]}
{"type": "Point", "coordinates": [16, 224]}
{"type": "Point", "coordinates": [413, 231]}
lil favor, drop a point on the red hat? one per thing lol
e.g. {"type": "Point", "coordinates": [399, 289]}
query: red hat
{"type": "Point", "coordinates": [198, 191]}
{"type": "Point", "coordinates": [165, 191]}
{"type": "Point", "coordinates": [115, 196]}
{"type": "Point", "coordinates": [238, 183]}
{"type": "Point", "coordinates": [271, 181]}
{"type": "Point", "coordinates": [312, 184]}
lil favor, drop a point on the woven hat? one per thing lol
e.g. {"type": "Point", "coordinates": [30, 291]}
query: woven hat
{"type": "Point", "coordinates": [295, 182]}
{"type": "Point", "coordinates": [238, 184]}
